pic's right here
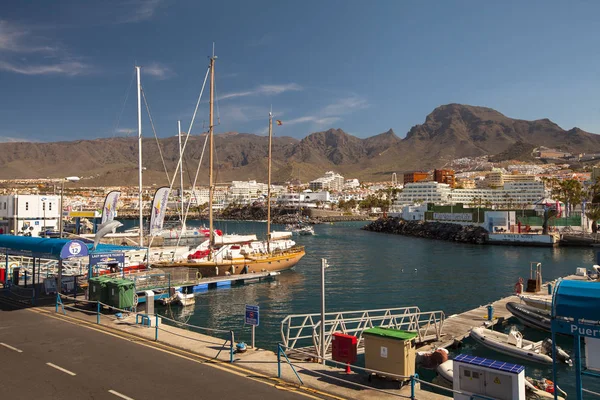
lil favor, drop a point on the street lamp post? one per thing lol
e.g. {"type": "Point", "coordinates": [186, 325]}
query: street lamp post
{"type": "Point", "coordinates": [62, 189]}
{"type": "Point", "coordinates": [323, 266]}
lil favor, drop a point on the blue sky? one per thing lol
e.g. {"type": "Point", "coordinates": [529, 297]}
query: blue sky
{"type": "Point", "coordinates": [364, 67]}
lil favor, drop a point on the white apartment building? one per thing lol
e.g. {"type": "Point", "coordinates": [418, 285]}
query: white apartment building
{"type": "Point", "coordinates": [330, 181]}
{"type": "Point", "coordinates": [423, 192]}
{"type": "Point", "coordinates": [513, 193]}
{"type": "Point", "coordinates": [29, 213]}
{"type": "Point", "coordinates": [351, 184]}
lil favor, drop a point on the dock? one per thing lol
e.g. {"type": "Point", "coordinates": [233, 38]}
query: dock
{"type": "Point", "coordinates": [458, 326]}
{"type": "Point", "coordinates": [184, 279]}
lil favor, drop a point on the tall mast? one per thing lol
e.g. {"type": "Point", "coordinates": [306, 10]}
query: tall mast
{"type": "Point", "coordinates": [139, 96]}
{"type": "Point", "coordinates": [211, 187]}
{"type": "Point", "coordinates": [269, 185]}
{"type": "Point", "coordinates": [180, 169]}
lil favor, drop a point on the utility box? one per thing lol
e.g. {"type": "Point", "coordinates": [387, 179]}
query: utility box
{"type": "Point", "coordinates": [344, 348]}
{"type": "Point", "coordinates": [390, 351]}
{"type": "Point", "coordinates": [121, 293]}
{"type": "Point", "coordinates": [476, 376]}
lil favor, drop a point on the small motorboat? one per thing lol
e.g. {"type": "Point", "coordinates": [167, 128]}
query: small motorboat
{"type": "Point", "coordinates": [185, 299]}
{"type": "Point", "coordinates": [534, 388]}
{"type": "Point", "coordinates": [530, 316]}
{"type": "Point", "coordinates": [541, 302]}
{"type": "Point", "coordinates": [514, 345]}
{"type": "Point", "coordinates": [431, 359]}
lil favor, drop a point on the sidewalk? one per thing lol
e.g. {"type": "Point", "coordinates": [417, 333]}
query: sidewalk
{"type": "Point", "coordinates": [256, 363]}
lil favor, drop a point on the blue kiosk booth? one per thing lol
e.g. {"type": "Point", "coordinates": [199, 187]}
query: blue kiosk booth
{"type": "Point", "coordinates": [576, 312]}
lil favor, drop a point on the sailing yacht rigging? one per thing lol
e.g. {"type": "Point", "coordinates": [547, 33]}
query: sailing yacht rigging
{"type": "Point", "coordinates": [242, 255]}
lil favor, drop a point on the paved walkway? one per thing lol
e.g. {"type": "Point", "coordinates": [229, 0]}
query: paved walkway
{"type": "Point", "coordinates": [318, 380]}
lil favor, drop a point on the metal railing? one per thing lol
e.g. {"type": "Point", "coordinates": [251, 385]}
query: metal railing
{"type": "Point", "coordinates": [412, 380]}
{"type": "Point", "coordinates": [303, 330]}
{"type": "Point", "coordinates": [96, 307]}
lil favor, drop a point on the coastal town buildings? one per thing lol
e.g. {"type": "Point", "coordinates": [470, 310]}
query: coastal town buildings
{"type": "Point", "coordinates": [330, 181]}
{"type": "Point", "coordinates": [29, 214]}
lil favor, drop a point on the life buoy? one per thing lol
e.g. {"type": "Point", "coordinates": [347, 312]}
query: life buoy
{"type": "Point", "coordinates": [519, 286]}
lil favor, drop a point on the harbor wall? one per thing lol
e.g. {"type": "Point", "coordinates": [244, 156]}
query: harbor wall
{"type": "Point", "coordinates": [430, 230]}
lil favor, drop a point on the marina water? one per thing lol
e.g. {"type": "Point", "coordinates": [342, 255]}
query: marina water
{"type": "Point", "coordinates": [373, 270]}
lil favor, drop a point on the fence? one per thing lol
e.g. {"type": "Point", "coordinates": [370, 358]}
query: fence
{"type": "Point", "coordinates": [304, 329]}
{"type": "Point", "coordinates": [412, 379]}
{"type": "Point", "coordinates": [539, 221]}
{"type": "Point", "coordinates": [96, 307]}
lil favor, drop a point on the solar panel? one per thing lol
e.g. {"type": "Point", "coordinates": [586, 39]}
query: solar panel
{"type": "Point", "coordinates": [485, 362]}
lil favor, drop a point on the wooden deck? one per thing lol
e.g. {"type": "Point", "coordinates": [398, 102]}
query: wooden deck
{"type": "Point", "coordinates": [458, 326]}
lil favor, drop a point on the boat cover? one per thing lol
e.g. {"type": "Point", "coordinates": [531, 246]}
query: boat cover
{"type": "Point", "coordinates": [577, 299]}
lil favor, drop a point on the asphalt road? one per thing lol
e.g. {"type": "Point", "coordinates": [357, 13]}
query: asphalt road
{"type": "Point", "coordinates": [46, 358]}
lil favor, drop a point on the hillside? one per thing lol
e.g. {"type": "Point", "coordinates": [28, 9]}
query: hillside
{"type": "Point", "coordinates": [450, 131]}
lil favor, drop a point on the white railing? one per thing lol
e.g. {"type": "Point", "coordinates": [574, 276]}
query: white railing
{"type": "Point", "coordinates": [303, 330]}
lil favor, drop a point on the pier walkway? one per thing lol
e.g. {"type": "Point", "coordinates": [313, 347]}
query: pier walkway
{"type": "Point", "coordinates": [458, 326]}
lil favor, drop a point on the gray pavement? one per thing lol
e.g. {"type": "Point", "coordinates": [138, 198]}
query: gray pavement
{"type": "Point", "coordinates": [87, 364]}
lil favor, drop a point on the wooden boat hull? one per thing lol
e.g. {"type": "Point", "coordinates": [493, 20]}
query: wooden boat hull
{"type": "Point", "coordinates": [275, 262]}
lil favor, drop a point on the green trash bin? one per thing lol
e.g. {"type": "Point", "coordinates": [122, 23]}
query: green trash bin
{"type": "Point", "coordinates": [121, 293]}
{"type": "Point", "coordinates": [97, 289]}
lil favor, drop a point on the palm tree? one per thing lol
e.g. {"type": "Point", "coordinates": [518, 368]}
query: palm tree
{"type": "Point", "coordinates": [593, 214]}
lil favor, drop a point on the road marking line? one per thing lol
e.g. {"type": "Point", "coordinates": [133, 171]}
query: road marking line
{"type": "Point", "coordinates": [66, 371]}
{"type": "Point", "coordinates": [215, 363]}
{"type": "Point", "coordinates": [119, 394]}
{"type": "Point", "coordinates": [10, 347]}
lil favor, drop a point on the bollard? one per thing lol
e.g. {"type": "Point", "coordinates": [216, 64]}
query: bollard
{"type": "Point", "coordinates": [156, 328]}
{"type": "Point", "coordinates": [490, 315]}
{"type": "Point", "coordinates": [549, 288]}
{"type": "Point", "coordinates": [412, 385]}
{"type": "Point", "coordinates": [278, 360]}
{"type": "Point", "coordinates": [98, 312]}
{"type": "Point", "coordinates": [231, 339]}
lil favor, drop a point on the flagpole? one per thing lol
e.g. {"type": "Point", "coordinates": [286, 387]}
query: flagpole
{"type": "Point", "coordinates": [269, 185]}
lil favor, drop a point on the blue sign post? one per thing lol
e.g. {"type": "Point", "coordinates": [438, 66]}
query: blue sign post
{"type": "Point", "coordinates": [252, 318]}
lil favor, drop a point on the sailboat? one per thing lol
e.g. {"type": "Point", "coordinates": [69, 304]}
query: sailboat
{"type": "Point", "coordinates": [246, 254]}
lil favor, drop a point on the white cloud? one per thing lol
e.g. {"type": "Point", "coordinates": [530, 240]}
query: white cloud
{"type": "Point", "coordinates": [42, 59]}
{"type": "Point", "coordinates": [72, 68]}
{"type": "Point", "coordinates": [158, 71]}
{"type": "Point", "coordinates": [139, 10]}
{"type": "Point", "coordinates": [15, 38]}
{"type": "Point", "coordinates": [126, 131]}
{"type": "Point", "coordinates": [332, 112]}
{"type": "Point", "coordinates": [269, 90]}
{"type": "Point", "coordinates": [345, 106]}
{"type": "Point", "coordinates": [10, 139]}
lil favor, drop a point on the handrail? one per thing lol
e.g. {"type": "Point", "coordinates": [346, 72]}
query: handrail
{"type": "Point", "coordinates": [231, 337]}
{"type": "Point", "coordinates": [298, 329]}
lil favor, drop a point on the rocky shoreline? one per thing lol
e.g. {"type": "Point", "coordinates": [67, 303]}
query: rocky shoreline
{"type": "Point", "coordinates": [430, 230]}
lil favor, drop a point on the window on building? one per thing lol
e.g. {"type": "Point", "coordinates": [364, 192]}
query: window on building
{"type": "Point", "coordinates": [43, 206]}
{"type": "Point", "coordinates": [50, 206]}
{"type": "Point", "coordinates": [26, 206]}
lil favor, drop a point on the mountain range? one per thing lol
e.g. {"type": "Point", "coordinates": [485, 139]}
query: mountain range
{"type": "Point", "coordinates": [449, 132]}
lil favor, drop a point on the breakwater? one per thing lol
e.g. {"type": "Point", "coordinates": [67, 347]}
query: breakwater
{"type": "Point", "coordinates": [429, 230]}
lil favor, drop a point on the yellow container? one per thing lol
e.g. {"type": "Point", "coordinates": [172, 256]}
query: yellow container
{"type": "Point", "coordinates": [390, 351]}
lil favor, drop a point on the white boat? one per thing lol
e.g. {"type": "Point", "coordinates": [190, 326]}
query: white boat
{"type": "Point", "coordinates": [541, 302]}
{"type": "Point", "coordinates": [534, 388]}
{"type": "Point", "coordinates": [514, 345]}
{"type": "Point", "coordinates": [185, 299]}
{"type": "Point", "coordinates": [300, 229]}
{"type": "Point", "coordinates": [526, 239]}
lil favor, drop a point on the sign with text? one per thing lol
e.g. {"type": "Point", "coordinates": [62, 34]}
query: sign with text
{"type": "Point", "coordinates": [116, 257]}
{"type": "Point", "coordinates": [252, 315]}
{"type": "Point", "coordinates": [74, 248]}
{"type": "Point", "coordinates": [453, 216]}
